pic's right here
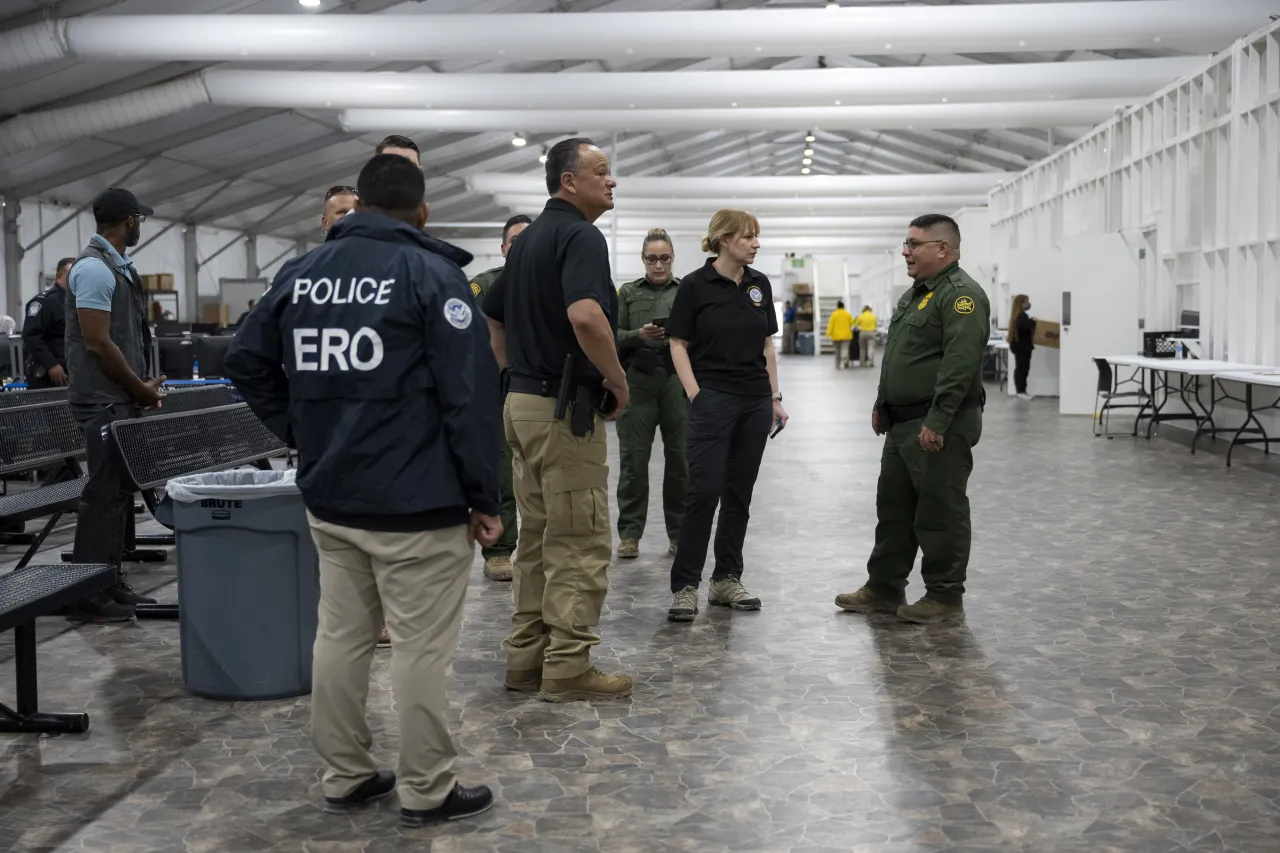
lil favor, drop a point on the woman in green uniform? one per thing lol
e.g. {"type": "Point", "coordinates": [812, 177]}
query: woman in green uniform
{"type": "Point", "coordinates": [657, 398]}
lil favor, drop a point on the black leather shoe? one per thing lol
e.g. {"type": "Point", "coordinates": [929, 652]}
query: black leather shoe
{"type": "Point", "coordinates": [122, 593]}
{"type": "Point", "coordinates": [461, 802]}
{"type": "Point", "coordinates": [99, 608]}
{"type": "Point", "coordinates": [377, 786]}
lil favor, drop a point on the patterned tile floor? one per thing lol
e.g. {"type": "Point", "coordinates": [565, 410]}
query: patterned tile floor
{"type": "Point", "coordinates": [1116, 686]}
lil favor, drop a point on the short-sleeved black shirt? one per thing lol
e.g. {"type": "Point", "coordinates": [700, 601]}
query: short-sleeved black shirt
{"type": "Point", "coordinates": [725, 325]}
{"type": "Point", "coordinates": [560, 259]}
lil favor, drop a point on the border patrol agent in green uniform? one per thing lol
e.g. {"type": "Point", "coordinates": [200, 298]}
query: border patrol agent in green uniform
{"type": "Point", "coordinates": [497, 559]}
{"type": "Point", "coordinates": [657, 399]}
{"type": "Point", "coordinates": [929, 408]}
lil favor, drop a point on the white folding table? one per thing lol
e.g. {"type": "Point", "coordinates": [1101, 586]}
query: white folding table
{"type": "Point", "coordinates": [1267, 377]}
{"type": "Point", "coordinates": [1189, 372]}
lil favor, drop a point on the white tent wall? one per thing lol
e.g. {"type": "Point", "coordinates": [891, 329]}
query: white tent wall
{"type": "Point", "coordinates": [273, 247]}
{"type": "Point", "coordinates": [1194, 173]}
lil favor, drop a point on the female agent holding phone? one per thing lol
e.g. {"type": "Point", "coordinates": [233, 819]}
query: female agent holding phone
{"type": "Point", "coordinates": [721, 329]}
{"type": "Point", "coordinates": [657, 399]}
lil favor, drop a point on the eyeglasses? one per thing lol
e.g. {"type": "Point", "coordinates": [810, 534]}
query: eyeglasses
{"type": "Point", "coordinates": [912, 245]}
{"type": "Point", "coordinates": [141, 217]}
{"type": "Point", "coordinates": [657, 259]}
{"type": "Point", "coordinates": [339, 190]}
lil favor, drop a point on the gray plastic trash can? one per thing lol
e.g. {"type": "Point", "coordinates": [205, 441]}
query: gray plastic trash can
{"type": "Point", "coordinates": [248, 584]}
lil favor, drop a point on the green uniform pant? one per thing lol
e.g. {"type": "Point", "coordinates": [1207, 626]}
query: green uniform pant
{"type": "Point", "coordinates": [921, 504]}
{"type": "Point", "coordinates": [657, 402]}
{"type": "Point", "coordinates": [560, 574]}
{"type": "Point", "coordinates": [506, 544]}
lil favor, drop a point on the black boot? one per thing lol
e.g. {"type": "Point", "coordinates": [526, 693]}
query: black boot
{"type": "Point", "coordinates": [377, 786]}
{"type": "Point", "coordinates": [461, 802]}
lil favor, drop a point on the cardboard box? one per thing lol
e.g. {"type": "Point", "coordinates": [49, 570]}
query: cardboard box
{"type": "Point", "coordinates": [1048, 334]}
{"type": "Point", "coordinates": [802, 289]}
{"type": "Point", "coordinates": [158, 281]}
{"type": "Point", "coordinates": [216, 313]}
{"type": "Point", "coordinates": [804, 325]}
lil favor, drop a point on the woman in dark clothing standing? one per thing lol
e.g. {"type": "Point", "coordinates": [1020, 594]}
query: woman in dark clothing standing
{"type": "Point", "coordinates": [1022, 331]}
{"type": "Point", "coordinates": [721, 328]}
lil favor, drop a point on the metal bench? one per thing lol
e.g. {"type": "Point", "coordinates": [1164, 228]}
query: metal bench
{"type": "Point", "coordinates": [159, 448]}
{"type": "Point", "coordinates": [32, 437]}
{"type": "Point", "coordinates": [25, 595]}
{"type": "Point", "coordinates": [12, 399]}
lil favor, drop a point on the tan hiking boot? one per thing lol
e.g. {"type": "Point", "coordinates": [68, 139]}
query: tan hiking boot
{"type": "Point", "coordinates": [384, 638]}
{"type": "Point", "coordinates": [868, 600]}
{"type": "Point", "coordinates": [926, 611]}
{"type": "Point", "coordinates": [731, 593]}
{"type": "Point", "coordinates": [592, 684]}
{"type": "Point", "coordinates": [524, 680]}
{"type": "Point", "coordinates": [498, 568]}
{"type": "Point", "coordinates": [685, 605]}
{"type": "Point", "coordinates": [629, 549]}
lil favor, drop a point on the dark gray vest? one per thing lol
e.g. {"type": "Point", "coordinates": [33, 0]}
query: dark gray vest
{"type": "Point", "coordinates": [89, 385]}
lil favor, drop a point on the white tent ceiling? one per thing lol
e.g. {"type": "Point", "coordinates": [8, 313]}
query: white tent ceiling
{"type": "Point", "coordinates": [259, 161]}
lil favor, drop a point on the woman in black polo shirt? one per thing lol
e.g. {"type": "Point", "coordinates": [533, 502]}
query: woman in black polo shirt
{"type": "Point", "coordinates": [721, 329]}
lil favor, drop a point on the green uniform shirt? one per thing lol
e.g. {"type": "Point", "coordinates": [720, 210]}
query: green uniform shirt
{"type": "Point", "coordinates": [937, 339]}
{"type": "Point", "coordinates": [480, 284]}
{"type": "Point", "coordinates": [639, 303]}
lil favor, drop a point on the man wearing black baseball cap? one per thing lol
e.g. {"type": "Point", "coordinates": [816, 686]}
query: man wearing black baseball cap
{"type": "Point", "coordinates": [107, 342]}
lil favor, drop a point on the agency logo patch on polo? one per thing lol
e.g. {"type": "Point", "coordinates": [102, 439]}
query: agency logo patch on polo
{"type": "Point", "coordinates": [475, 290]}
{"type": "Point", "coordinates": [756, 294]}
{"type": "Point", "coordinates": [33, 309]}
{"type": "Point", "coordinates": [964, 305]}
{"type": "Point", "coordinates": [925, 301]}
{"type": "Point", "coordinates": [457, 313]}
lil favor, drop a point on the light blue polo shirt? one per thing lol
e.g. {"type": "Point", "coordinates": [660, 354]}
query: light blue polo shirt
{"type": "Point", "coordinates": [91, 281]}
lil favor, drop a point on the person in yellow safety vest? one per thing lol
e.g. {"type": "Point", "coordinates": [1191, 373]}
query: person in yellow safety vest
{"type": "Point", "coordinates": [840, 331]}
{"type": "Point", "coordinates": [865, 334]}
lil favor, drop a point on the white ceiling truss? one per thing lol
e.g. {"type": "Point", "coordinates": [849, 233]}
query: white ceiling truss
{"type": "Point", "coordinates": [236, 127]}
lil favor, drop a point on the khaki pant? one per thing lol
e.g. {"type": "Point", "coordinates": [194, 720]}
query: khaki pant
{"type": "Point", "coordinates": [868, 343]}
{"type": "Point", "coordinates": [561, 569]}
{"type": "Point", "coordinates": [842, 353]}
{"type": "Point", "coordinates": [416, 582]}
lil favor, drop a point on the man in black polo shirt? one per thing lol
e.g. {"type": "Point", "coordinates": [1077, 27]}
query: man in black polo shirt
{"type": "Point", "coordinates": [555, 299]}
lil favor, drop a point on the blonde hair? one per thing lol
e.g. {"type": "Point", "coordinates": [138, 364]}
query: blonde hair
{"type": "Point", "coordinates": [1018, 302]}
{"type": "Point", "coordinates": [729, 223]}
{"type": "Point", "coordinates": [656, 235]}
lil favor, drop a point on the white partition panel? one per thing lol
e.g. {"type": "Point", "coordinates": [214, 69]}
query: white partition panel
{"type": "Point", "coordinates": [1099, 281]}
{"type": "Point", "coordinates": [1196, 172]}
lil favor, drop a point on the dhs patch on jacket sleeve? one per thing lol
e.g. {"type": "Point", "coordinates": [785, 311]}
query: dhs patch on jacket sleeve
{"type": "Point", "coordinates": [33, 309]}
{"type": "Point", "coordinates": [458, 313]}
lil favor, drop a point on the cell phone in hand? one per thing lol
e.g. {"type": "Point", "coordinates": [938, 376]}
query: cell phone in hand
{"type": "Point", "coordinates": [778, 424]}
{"type": "Point", "coordinates": [660, 322]}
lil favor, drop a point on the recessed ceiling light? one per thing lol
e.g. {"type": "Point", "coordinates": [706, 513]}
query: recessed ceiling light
{"type": "Point", "coordinates": [809, 138]}
{"type": "Point", "coordinates": [837, 103]}
{"type": "Point", "coordinates": [805, 170]}
{"type": "Point", "coordinates": [888, 47]}
{"type": "Point", "coordinates": [519, 141]}
{"type": "Point", "coordinates": [310, 4]}
{"type": "Point", "coordinates": [806, 161]}
{"type": "Point", "coordinates": [808, 152]}
{"type": "Point", "coordinates": [734, 104]}
{"type": "Point", "coordinates": [542, 158]}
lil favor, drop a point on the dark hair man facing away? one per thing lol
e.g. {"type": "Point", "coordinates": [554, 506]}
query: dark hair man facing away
{"type": "Point", "coordinates": [368, 355]}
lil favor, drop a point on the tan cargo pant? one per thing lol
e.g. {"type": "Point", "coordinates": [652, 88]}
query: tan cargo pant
{"type": "Point", "coordinates": [562, 559]}
{"type": "Point", "coordinates": [416, 582]}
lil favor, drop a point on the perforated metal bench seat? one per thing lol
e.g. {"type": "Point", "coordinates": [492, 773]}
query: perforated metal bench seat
{"type": "Point", "coordinates": [156, 449]}
{"type": "Point", "coordinates": [37, 503]}
{"type": "Point", "coordinates": [192, 399]}
{"type": "Point", "coordinates": [39, 590]}
{"type": "Point", "coordinates": [12, 399]}
{"type": "Point", "coordinates": [29, 593]}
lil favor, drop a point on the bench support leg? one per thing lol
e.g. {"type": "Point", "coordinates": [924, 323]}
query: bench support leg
{"type": "Point", "coordinates": [38, 541]}
{"type": "Point", "coordinates": [27, 718]}
{"type": "Point", "coordinates": [155, 611]}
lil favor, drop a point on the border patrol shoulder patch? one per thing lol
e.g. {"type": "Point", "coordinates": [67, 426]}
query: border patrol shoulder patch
{"type": "Point", "coordinates": [964, 305]}
{"type": "Point", "coordinates": [475, 290]}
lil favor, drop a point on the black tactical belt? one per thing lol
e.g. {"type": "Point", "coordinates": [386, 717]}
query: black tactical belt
{"type": "Point", "coordinates": [902, 414]}
{"type": "Point", "coordinates": [538, 387]}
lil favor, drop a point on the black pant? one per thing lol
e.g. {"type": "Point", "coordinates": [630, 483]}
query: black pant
{"type": "Point", "coordinates": [1021, 367]}
{"type": "Point", "coordinates": [727, 435]}
{"type": "Point", "coordinates": [107, 498]}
